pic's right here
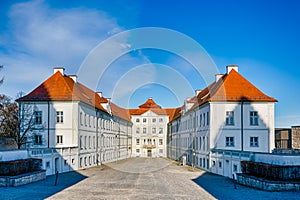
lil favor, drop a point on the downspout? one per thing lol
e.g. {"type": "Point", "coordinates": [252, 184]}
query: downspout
{"type": "Point", "coordinates": [48, 131]}
{"type": "Point", "coordinates": [242, 126]}
{"type": "Point", "coordinates": [195, 132]}
{"type": "Point", "coordinates": [97, 160]}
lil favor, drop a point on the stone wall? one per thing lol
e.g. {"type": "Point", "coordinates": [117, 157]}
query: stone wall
{"type": "Point", "coordinates": [296, 137]}
{"type": "Point", "coordinates": [271, 172]}
{"type": "Point", "coordinates": [12, 181]}
{"type": "Point", "coordinates": [268, 185]}
{"type": "Point", "coordinates": [17, 167]}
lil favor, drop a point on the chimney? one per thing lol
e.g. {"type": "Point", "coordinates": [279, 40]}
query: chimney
{"type": "Point", "coordinates": [100, 94]}
{"type": "Point", "coordinates": [197, 92]}
{"type": "Point", "coordinates": [218, 76]}
{"type": "Point", "coordinates": [231, 67]}
{"type": "Point", "coordinates": [59, 69]}
{"type": "Point", "coordinates": [74, 77]}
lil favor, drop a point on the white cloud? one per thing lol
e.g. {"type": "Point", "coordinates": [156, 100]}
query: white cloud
{"type": "Point", "coordinates": [40, 37]}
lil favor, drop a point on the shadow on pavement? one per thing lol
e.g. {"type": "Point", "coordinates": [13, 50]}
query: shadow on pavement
{"type": "Point", "coordinates": [223, 188]}
{"type": "Point", "coordinates": [42, 189]}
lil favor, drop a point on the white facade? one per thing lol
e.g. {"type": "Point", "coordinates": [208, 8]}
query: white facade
{"type": "Point", "coordinates": [72, 134]}
{"type": "Point", "coordinates": [149, 134]}
{"type": "Point", "coordinates": [217, 135]}
{"type": "Point", "coordinates": [82, 137]}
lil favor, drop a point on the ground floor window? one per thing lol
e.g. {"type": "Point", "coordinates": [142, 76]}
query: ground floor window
{"type": "Point", "coordinates": [48, 165]}
{"type": "Point", "coordinates": [59, 139]}
{"type": "Point", "coordinates": [38, 139]}
{"type": "Point", "coordinates": [235, 168]}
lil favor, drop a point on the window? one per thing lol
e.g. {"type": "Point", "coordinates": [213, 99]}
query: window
{"type": "Point", "coordinates": [203, 119]}
{"type": "Point", "coordinates": [220, 164]}
{"type": "Point", "coordinates": [161, 120]}
{"type": "Point", "coordinates": [80, 143]}
{"type": "Point", "coordinates": [144, 130]}
{"type": "Point", "coordinates": [207, 161]}
{"type": "Point", "coordinates": [47, 164]}
{"type": "Point", "coordinates": [161, 130]}
{"type": "Point", "coordinates": [207, 120]}
{"type": "Point", "coordinates": [59, 116]}
{"type": "Point", "coordinates": [81, 119]}
{"type": "Point", "coordinates": [144, 120]}
{"type": "Point", "coordinates": [235, 168]}
{"type": "Point", "coordinates": [38, 139]}
{"type": "Point", "coordinates": [153, 120]}
{"type": "Point", "coordinates": [253, 141]}
{"type": "Point", "coordinates": [138, 150]}
{"type": "Point", "coordinates": [90, 143]}
{"type": "Point", "coordinates": [200, 120]}
{"type": "Point", "coordinates": [65, 162]}
{"type": "Point", "coordinates": [253, 118]}
{"type": "Point", "coordinates": [161, 151]}
{"type": "Point", "coordinates": [213, 163]}
{"type": "Point", "coordinates": [138, 141]}
{"type": "Point", "coordinates": [160, 141]}
{"type": "Point", "coordinates": [230, 118]}
{"type": "Point", "coordinates": [153, 130]}
{"type": "Point", "coordinates": [59, 139]}
{"type": "Point", "coordinates": [38, 117]}
{"type": "Point", "coordinates": [138, 130]}
{"type": "Point", "coordinates": [229, 141]}
{"type": "Point", "coordinates": [137, 120]}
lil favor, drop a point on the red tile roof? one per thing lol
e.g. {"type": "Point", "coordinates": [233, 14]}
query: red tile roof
{"type": "Point", "coordinates": [232, 87]}
{"type": "Point", "coordinates": [62, 88]}
{"type": "Point", "coordinates": [120, 112]}
{"type": "Point", "coordinates": [151, 105]}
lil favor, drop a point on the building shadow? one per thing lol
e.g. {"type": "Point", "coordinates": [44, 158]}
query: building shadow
{"type": "Point", "coordinates": [216, 185]}
{"type": "Point", "coordinates": [43, 189]}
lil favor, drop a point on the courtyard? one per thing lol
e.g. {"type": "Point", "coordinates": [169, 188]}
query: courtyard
{"type": "Point", "coordinates": [139, 178]}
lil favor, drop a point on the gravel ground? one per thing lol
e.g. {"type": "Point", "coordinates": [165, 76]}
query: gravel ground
{"type": "Point", "coordinates": [139, 178]}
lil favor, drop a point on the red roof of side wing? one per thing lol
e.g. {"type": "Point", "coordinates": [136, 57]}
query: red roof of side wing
{"type": "Point", "coordinates": [232, 87]}
{"type": "Point", "coordinates": [63, 88]}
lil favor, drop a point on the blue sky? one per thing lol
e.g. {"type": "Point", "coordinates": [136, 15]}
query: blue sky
{"type": "Point", "coordinates": [262, 37]}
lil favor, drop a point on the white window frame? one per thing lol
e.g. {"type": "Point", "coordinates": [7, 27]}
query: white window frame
{"type": "Point", "coordinates": [38, 117]}
{"type": "Point", "coordinates": [253, 118]}
{"type": "Point", "coordinates": [59, 139]}
{"type": "Point", "coordinates": [229, 141]}
{"type": "Point", "coordinates": [254, 142]}
{"type": "Point", "coordinates": [59, 116]}
{"type": "Point", "coordinates": [229, 118]}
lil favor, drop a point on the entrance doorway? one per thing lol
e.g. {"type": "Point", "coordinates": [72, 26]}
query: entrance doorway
{"type": "Point", "coordinates": [149, 153]}
{"type": "Point", "coordinates": [57, 165]}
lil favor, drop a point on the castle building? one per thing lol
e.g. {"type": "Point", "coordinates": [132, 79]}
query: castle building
{"type": "Point", "coordinates": [223, 124]}
{"type": "Point", "coordinates": [150, 129]}
{"type": "Point", "coordinates": [76, 128]}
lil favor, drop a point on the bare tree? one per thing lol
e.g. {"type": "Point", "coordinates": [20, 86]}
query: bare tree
{"type": "Point", "coordinates": [2, 79]}
{"type": "Point", "coordinates": [19, 123]}
{"type": "Point", "coordinates": [8, 116]}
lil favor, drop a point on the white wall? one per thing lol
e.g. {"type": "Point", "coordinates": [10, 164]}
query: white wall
{"type": "Point", "coordinates": [149, 115]}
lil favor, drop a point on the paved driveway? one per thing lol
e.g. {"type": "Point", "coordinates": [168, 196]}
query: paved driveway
{"type": "Point", "coordinates": [139, 178]}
